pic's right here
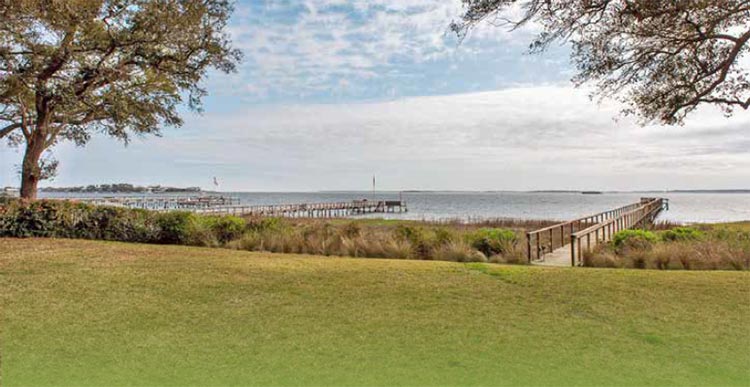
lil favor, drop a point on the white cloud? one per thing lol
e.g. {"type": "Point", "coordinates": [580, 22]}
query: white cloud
{"type": "Point", "coordinates": [549, 137]}
{"type": "Point", "coordinates": [306, 47]}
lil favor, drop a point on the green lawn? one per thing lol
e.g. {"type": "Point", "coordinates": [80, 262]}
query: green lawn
{"type": "Point", "coordinates": [97, 313]}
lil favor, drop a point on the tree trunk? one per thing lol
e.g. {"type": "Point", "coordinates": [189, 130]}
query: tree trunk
{"type": "Point", "coordinates": [30, 170]}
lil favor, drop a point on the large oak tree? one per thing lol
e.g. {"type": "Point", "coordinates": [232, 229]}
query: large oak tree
{"type": "Point", "coordinates": [72, 68]}
{"type": "Point", "coordinates": [662, 58]}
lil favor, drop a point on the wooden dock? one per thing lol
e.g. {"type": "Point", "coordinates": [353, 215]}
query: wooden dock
{"type": "Point", "coordinates": [564, 244]}
{"type": "Point", "coordinates": [221, 205]}
{"type": "Point", "coordinates": [160, 203]}
{"type": "Point", "coordinates": [311, 210]}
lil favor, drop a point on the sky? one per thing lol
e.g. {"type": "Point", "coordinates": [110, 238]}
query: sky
{"type": "Point", "coordinates": [332, 92]}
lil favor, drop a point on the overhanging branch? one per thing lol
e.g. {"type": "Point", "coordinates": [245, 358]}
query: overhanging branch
{"type": "Point", "coordinates": [9, 129]}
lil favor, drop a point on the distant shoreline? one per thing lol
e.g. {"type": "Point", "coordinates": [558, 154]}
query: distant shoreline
{"type": "Point", "coordinates": [200, 191]}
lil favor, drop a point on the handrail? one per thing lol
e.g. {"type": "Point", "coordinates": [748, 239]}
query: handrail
{"type": "Point", "coordinates": [649, 209]}
{"type": "Point", "coordinates": [554, 226]}
{"type": "Point", "coordinates": [593, 228]}
{"type": "Point", "coordinates": [568, 227]}
{"type": "Point", "coordinates": [227, 206]}
{"type": "Point", "coordinates": [313, 209]}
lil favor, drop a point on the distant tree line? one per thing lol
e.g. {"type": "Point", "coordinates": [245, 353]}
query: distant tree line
{"type": "Point", "coordinates": [119, 188]}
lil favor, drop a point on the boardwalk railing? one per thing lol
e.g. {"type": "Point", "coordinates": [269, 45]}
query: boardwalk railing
{"type": "Point", "coordinates": [162, 202]}
{"type": "Point", "coordinates": [310, 210]}
{"type": "Point", "coordinates": [584, 240]}
{"type": "Point", "coordinates": [547, 239]}
{"type": "Point", "coordinates": [221, 205]}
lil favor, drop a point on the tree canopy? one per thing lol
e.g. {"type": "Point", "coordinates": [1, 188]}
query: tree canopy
{"type": "Point", "coordinates": [662, 58]}
{"type": "Point", "coordinates": [72, 68]}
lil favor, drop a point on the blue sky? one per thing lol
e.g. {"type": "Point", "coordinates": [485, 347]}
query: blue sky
{"type": "Point", "coordinates": [327, 51]}
{"type": "Point", "coordinates": [331, 92]}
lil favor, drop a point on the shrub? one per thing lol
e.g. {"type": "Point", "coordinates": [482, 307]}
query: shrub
{"type": "Point", "coordinates": [731, 235]}
{"type": "Point", "coordinates": [421, 241]}
{"type": "Point", "coordinates": [45, 218]}
{"type": "Point", "coordinates": [493, 241]}
{"type": "Point", "coordinates": [688, 255]}
{"type": "Point", "coordinates": [681, 234]}
{"type": "Point", "coordinates": [458, 251]}
{"type": "Point", "coordinates": [30, 219]}
{"type": "Point", "coordinates": [373, 247]}
{"type": "Point", "coordinates": [250, 241]}
{"type": "Point", "coordinates": [227, 228]}
{"type": "Point", "coordinates": [174, 227]}
{"type": "Point", "coordinates": [109, 223]}
{"type": "Point", "coordinates": [350, 247]}
{"type": "Point", "coordinates": [394, 248]}
{"type": "Point", "coordinates": [673, 256]}
{"type": "Point", "coordinates": [351, 230]}
{"type": "Point", "coordinates": [320, 238]}
{"type": "Point", "coordinates": [266, 224]}
{"type": "Point", "coordinates": [405, 232]}
{"type": "Point", "coordinates": [633, 240]}
{"type": "Point", "coordinates": [511, 254]}
{"type": "Point", "coordinates": [444, 236]}
{"type": "Point", "coordinates": [200, 232]}
{"type": "Point", "coordinates": [65, 219]}
{"type": "Point", "coordinates": [601, 256]}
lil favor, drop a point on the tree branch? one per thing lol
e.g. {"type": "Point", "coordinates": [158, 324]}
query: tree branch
{"type": "Point", "coordinates": [9, 129]}
{"type": "Point", "coordinates": [723, 74]}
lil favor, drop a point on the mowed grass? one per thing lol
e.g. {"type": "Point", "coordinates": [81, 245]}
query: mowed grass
{"type": "Point", "coordinates": [101, 313]}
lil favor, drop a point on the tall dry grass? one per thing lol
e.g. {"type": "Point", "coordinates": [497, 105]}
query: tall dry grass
{"type": "Point", "coordinates": [715, 249]}
{"type": "Point", "coordinates": [477, 222]}
{"type": "Point", "coordinates": [399, 240]}
{"type": "Point", "coordinates": [458, 251]}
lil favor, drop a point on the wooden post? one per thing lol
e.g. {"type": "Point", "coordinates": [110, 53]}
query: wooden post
{"type": "Point", "coordinates": [528, 246]}
{"type": "Point", "coordinates": [551, 243]}
{"type": "Point", "coordinates": [572, 250]}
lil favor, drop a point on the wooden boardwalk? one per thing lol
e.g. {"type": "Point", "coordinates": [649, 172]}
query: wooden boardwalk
{"type": "Point", "coordinates": [222, 205]}
{"type": "Point", "coordinates": [558, 257]}
{"type": "Point", "coordinates": [311, 210]}
{"type": "Point", "coordinates": [564, 244]}
{"type": "Point", "coordinates": [159, 203]}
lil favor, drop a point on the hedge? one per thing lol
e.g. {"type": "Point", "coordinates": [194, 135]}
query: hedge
{"type": "Point", "coordinates": [66, 219]}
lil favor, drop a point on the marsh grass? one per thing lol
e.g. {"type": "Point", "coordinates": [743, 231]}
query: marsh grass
{"type": "Point", "coordinates": [703, 247]}
{"type": "Point", "coordinates": [458, 251]}
{"type": "Point", "coordinates": [469, 223]}
{"type": "Point", "coordinates": [370, 239]}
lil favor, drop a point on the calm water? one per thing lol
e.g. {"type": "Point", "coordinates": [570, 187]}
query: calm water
{"type": "Point", "coordinates": [683, 207]}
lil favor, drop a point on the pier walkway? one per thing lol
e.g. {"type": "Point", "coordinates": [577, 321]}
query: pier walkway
{"type": "Point", "coordinates": [564, 244]}
{"type": "Point", "coordinates": [311, 210]}
{"type": "Point", "coordinates": [222, 205]}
